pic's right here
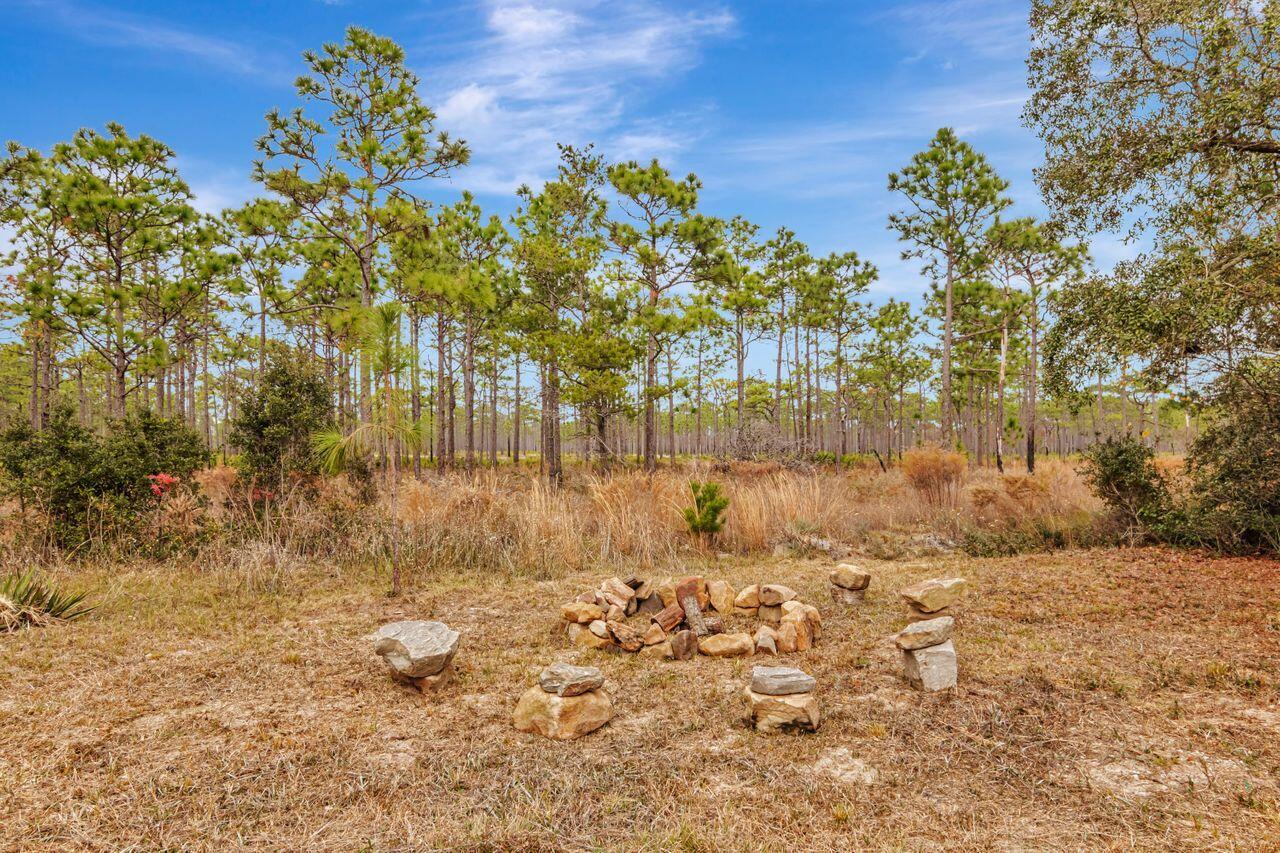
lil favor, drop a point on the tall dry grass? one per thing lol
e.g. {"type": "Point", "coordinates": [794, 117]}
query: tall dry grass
{"type": "Point", "coordinates": [515, 522]}
{"type": "Point", "coordinates": [510, 521]}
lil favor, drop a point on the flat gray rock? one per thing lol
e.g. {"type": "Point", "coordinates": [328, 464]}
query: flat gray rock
{"type": "Point", "coordinates": [780, 680]}
{"type": "Point", "coordinates": [416, 649]}
{"type": "Point", "coordinates": [565, 679]}
{"type": "Point", "coordinates": [922, 635]}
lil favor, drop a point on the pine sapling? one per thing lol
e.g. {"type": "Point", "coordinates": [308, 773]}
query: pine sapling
{"type": "Point", "coordinates": [706, 517]}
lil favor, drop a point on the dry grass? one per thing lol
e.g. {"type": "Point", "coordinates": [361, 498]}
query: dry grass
{"type": "Point", "coordinates": [934, 473]}
{"type": "Point", "coordinates": [514, 523]}
{"type": "Point", "coordinates": [511, 521]}
{"type": "Point", "coordinates": [1108, 699]}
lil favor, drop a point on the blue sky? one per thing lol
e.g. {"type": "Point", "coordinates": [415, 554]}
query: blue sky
{"type": "Point", "coordinates": [791, 112]}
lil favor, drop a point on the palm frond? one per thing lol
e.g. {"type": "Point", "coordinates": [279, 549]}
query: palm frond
{"type": "Point", "coordinates": [26, 600]}
{"type": "Point", "coordinates": [333, 448]}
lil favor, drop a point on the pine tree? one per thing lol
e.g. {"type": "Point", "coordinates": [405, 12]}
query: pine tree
{"type": "Point", "coordinates": [355, 187]}
{"type": "Point", "coordinates": [953, 195]}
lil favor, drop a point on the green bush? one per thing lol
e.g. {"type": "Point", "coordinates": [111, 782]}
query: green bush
{"type": "Point", "coordinates": [84, 484]}
{"type": "Point", "coordinates": [1232, 502]}
{"type": "Point", "coordinates": [706, 517]}
{"type": "Point", "coordinates": [1234, 469]}
{"type": "Point", "coordinates": [142, 446]}
{"type": "Point", "coordinates": [1122, 472]}
{"type": "Point", "coordinates": [277, 417]}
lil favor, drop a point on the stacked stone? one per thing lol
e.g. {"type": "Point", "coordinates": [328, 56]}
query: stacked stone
{"type": "Point", "coordinates": [566, 703]}
{"type": "Point", "coordinates": [418, 653]}
{"type": "Point", "coordinates": [928, 652]}
{"type": "Point", "coordinates": [849, 584]}
{"type": "Point", "coordinates": [686, 616]}
{"type": "Point", "coordinates": [933, 598]}
{"type": "Point", "coordinates": [781, 698]}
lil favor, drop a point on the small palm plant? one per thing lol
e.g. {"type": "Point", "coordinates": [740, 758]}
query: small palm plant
{"type": "Point", "coordinates": [706, 517]}
{"type": "Point", "coordinates": [26, 600]}
{"type": "Point", "coordinates": [386, 433]}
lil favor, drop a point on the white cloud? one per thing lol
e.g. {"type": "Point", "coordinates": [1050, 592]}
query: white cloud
{"type": "Point", "coordinates": [114, 28]}
{"type": "Point", "coordinates": [216, 188]}
{"type": "Point", "coordinates": [571, 71]}
{"type": "Point", "coordinates": [839, 157]}
{"type": "Point", "coordinates": [986, 29]}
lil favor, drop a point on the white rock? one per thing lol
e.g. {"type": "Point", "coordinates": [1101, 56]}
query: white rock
{"type": "Point", "coordinates": [798, 711]}
{"type": "Point", "coordinates": [416, 649]}
{"type": "Point", "coordinates": [930, 669]}
{"type": "Point", "coordinates": [562, 717]}
{"type": "Point", "coordinates": [780, 680]}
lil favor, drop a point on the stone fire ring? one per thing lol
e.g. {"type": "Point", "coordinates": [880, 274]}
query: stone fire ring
{"type": "Point", "coordinates": [677, 618]}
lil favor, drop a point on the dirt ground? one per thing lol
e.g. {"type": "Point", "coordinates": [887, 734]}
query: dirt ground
{"type": "Point", "coordinates": [1107, 700]}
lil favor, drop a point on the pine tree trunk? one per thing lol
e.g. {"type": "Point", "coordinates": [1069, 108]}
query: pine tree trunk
{"type": "Point", "coordinates": [945, 403]}
{"type": "Point", "coordinates": [415, 396]}
{"type": "Point", "coordinates": [516, 417]}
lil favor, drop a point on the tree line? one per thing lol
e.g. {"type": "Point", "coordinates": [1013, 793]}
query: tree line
{"type": "Point", "coordinates": [610, 316]}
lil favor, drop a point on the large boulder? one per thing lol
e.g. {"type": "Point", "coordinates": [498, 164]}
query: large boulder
{"type": "Point", "coordinates": [562, 717]}
{"type": "Point", "coordinates": [416, 649]}
{"type": "Point", "coordinates": [932, 595]}
{"type": "Point", "coordinates": [565, 679]}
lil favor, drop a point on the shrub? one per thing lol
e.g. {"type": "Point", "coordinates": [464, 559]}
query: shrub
{"type": "Point", "coordinates": [1122, 472]}
{"type": "Point", "coordinates": [934, 473]}
{"type": "Point", "coordinates": [1234, 469]}
{"type": "Point", "coordinates": [706, 517]}
{"type": "Point", "coordinates": [25, 600]}
{"type": "Point", "coordinates": [278, 416]}
{"type": "Point", "coordinates": [145, 450]}
{"type": "Point", "coordinates": [85, 485]}
{"type": "Point", "coordinates": [51, 469]}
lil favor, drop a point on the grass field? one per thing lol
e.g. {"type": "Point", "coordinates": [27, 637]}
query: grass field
{"type": "Point", "coordinates": [1108, 699]}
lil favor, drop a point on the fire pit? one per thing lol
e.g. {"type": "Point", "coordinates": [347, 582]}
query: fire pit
{"type": "Point", "coordinates": [677, 618]}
